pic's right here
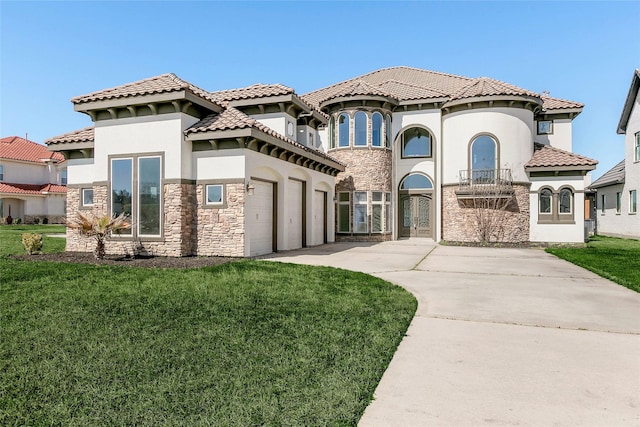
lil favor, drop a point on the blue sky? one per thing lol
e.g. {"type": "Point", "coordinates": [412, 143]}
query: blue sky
{"type": "Point", "coordinates": [51, 51]}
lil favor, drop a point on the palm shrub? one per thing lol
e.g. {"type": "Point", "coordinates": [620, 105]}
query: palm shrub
{"type": "Point", "coordinates": [100, 227]}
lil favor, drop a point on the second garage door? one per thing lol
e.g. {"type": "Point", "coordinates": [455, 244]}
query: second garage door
{"type": "Point", "coordinates": [295, 221]}
{"type": "Point", "coordinates": [260, 218]}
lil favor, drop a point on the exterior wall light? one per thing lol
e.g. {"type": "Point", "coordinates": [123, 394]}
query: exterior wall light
{"type": "Point", "coordinates": [250, 189]}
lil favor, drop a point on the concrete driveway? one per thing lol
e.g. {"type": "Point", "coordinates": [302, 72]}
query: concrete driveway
{"type": "Point", "coordinates": [501, 337]}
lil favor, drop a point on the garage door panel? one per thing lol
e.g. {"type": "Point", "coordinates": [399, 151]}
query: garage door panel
{"type": "Point", "coordinates": [260, 219]}
{"type": "Point", "coordinates": [319, 215]}
{"type": "Point", "coordinates": [294, 214]}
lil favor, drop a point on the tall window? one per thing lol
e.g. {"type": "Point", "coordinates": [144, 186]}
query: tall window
{"type": "Point", "coordinates": [483, 158]}
{"type": "Point", "coordinates": [376, 130]}
{"type": "Point", "coordinates": [360, 212]}
{"type": "Point", "coordinates": [545, 200]}
{"type": "Point", "coordinates": [87, 197]}
{"type": "Point", "coordinates": [387, 131]}
{"type": "Point", "coordinates": [387, 212]}
{"type": "Point", "coordinates": [633, 202]}
{"type": "Point", "coordinates": [332, 133]}
{"type": "Point", "coordinates": [636, 151]}
{"type": "Point", "coordinates": [343, 130]}
{"type": "Point", "coordinates": [603, 202]}
{"type": "Point", "coordinates": [344, 213]}
{"type": "Point", "coordinates": [142, 198]}
{"type": "Point", "coordinates": [1, 175]}
{"type": "Point", "coordinates": [376, 211]}
{"type": "Point", "coordinates": [63, 176]}
{"type": "Point", "coordinates": [618, 202]}
{"type": "Point", "coordinates": [149, 196]}
{"type": "Point", "coordinates": [416, 142]}
{"type": "Point", "coordinates": [565, 199]}
{"type": "Point", "coordinates": [121, 187]}
{"type": "Point", "coordinates": [360, 123]}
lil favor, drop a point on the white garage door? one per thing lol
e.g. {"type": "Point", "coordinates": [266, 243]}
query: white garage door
{"type": "Point", "coordinates": [319, 215]}
{"type": "Point", "coordinates": [294, 214]}
{"type": "Point", "coordinates": [260, 218]}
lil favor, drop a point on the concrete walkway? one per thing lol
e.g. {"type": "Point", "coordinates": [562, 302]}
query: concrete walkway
{"type": "Point", "coordinates": [501, 337]}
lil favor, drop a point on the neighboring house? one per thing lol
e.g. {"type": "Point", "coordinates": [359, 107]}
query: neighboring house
{"type": "Point", "coordinates": [617, 189]}
{"type": "Point", "coordinates": [32, 182]}
{"type": "Point", "coordinates": [399, 152]}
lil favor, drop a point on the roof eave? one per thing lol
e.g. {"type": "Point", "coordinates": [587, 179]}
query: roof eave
{"type": "Point", "coordinates": [424, 101]}
{"type": "Point", "coordinates": [606, 183]}
{"type": "Point", "coordinates": [484, 98]}
{"type": "Point", "coordinates": [125, 101]}
{"type": "Point", "coordinates": [339, 99]}
{"type": "Point", "coordinates": [559, 168]}
{"type": "Point", "coordinates": [628, 103]}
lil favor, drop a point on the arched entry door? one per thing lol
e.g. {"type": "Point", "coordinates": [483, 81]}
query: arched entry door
{"type": "Point", "coordinates": [415, 197]}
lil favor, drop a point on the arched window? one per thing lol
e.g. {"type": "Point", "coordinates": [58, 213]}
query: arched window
{"type": "Point", "coordinates": [360, 122]}
{"type": "Point", "coordinates": [376, 130]}
{"type": "Point", "coordinates": [565, 201]}
{"type": "Point", "coordinates": [416, 181]}
{"type": "Point", "coordinates": [343, 130]}
{"type": "Point", "coordinates": [416, 142]}
{"type": "Point", "coordinates": [483, 159]}
{"type": "Point", "coordinates": [387, 127]}
{"type": "Point", "coordinates": [545, 200]}
{"type": "Point", "coordinates": [332, 132]}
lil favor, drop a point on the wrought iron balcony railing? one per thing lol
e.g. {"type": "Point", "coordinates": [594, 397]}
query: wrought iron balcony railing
{"type": "Point", "coordinates": [485, 181]}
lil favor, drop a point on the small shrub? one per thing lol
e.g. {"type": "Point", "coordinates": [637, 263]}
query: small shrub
{"type": "Point", "coordinates": [36, 220]}
{"type": "Point", "coordinates": [45, 220]}
{"type": "Point", "coordinates": [17, 221]}
{"type": "Point", "coordinates": [32, 242]}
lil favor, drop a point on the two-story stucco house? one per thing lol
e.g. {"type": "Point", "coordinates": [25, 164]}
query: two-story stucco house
{"type": "Point", "coordinates": [32, 182]}
{"type": "Point", "coordinates": [617, 189]}
{"type": "Point", "coordinates": [397, 153]}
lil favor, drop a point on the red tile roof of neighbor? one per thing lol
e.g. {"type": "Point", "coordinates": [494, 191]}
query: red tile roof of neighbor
{"type": "Point", "coordinates": [6, 187]}
{"type": "Point", "coordinates": [17, 148]}
{"type": "Point", "coordinates": [546, 156]}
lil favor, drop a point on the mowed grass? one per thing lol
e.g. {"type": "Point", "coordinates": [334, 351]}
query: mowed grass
{"type": "Point", "coordinates": [247, 343]}
{"type": "Point", "coordinates": [612, 258]}
{"type": "Point", "coordinates": [11, 238]}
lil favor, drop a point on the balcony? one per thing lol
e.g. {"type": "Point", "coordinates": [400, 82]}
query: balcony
{"type": "Point", "coordinates": [492, 183]}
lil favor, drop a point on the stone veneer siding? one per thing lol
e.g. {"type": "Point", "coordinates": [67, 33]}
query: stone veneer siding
{"type": "Point", "coordinates": [220, 231]}
{"type": "Point", "coordinates": [459, 220]}
{"type": "Point", "coordinates": [367, 169]}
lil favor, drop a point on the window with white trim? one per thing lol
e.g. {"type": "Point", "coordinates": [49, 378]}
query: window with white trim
{"type": "Point", "coordinates": [1, 174]}
{"type": "Point", "coordinates": [633, 202]}
{"type": "Point", "coordinates": [344, 212]}
{"type": "Point", "coordinates": [603, 203]}
{"type": "Point", "coordinates": [214, 194]}
{"type": "Point", "coordinates": [360, 212]}
{"type": "Point", "coordinates": [387, 212]}
{"type": "Point", "coordinates": [636, 151]}
{"type": "Point", "coordinates": [87, 197]}
{"type": "Point", "coordinates": [377, 204]}
{"type": "Point", "coordinates": [63, 176]}
{"type": "Point", "coordinates": [360, 129]}
{"type": "Point", "coordinates": [618, 202]}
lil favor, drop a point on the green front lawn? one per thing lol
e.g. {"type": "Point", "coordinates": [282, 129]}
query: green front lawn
{"type": "Point", "coordinates": [11, 238]}
{"type": "Point", "coordinates": [612, 258]}
{"type": "Point", "coordinates": [247, 343]}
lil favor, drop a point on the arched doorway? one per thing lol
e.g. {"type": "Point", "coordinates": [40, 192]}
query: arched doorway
{"type": "Point", "coordinates": [415, 204]}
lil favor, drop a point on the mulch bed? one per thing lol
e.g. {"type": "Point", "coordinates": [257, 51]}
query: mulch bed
{"type": "Point", "coordinates": [145, 262]}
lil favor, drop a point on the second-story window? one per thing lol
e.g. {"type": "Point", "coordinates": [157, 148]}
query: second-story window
{"type": "Point", "coordinates": [1, 177]}
{"type": "Point", "coordinates": [360, 124]}
{"type": "Point", "coordinates": [343, 130]}
{"type": "Point", "coordinates": [416, 142]}
{"type": "Point", "coordinates": [376, 130]}
{"type": "Point", "coordinates": [332, 133]}
{"type": "Point", "coordinates": [63, 176]}
{"type": "Point", "coordinates": [483, 158]}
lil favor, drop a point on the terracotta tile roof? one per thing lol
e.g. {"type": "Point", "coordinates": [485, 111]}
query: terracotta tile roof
{"type": "Point", "coordinates": [358, 87]}
{"type": "Point", "coordinates": [613, 176]}
{"type": "Point", "coordinates": [232, 118]}
{"type": "Point", "coordinates": [407, 83]}
{"type": "Point", "coordinates": [17, 148]}
{"type": "Point", "coordinates": [82, 135]}
{"type": "Point", "coordinates": [546, 156]}
{"type": "Point", "coordinates": [6, 187]}
{"type": "Point", "coordinates": [549, 103]}
{"type": "Point", "coordinates": [484, 86]}
{"type": "Point", "coordinates": [164, 83]}
{"type": "Point", "coordinates": [251, 92]}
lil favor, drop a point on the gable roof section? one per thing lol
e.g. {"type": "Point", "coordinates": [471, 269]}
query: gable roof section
{"type": "Point", "coordinates": [613, 176]}
{"type": "Point", "coordinates": [549, 103]}
{"type": "Point", "coordinates": [78, 136]}
{"type": "Point", "coordinates": [232, 118]}
{"type": "Point", "coordinates": [484, 86]}
{"type": "Point", "coordinates": [629, 102]}
{"type": "Point", "coordinates": [17, 148]}
{"type": "Point", "coordinates": [430, 82]}
{"type": "Point", "coordinates": [546, 157]}
{"type": "Point", "coordinates": [33, 189]}
{"type": "Point", "coordinates": [252, 92]}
